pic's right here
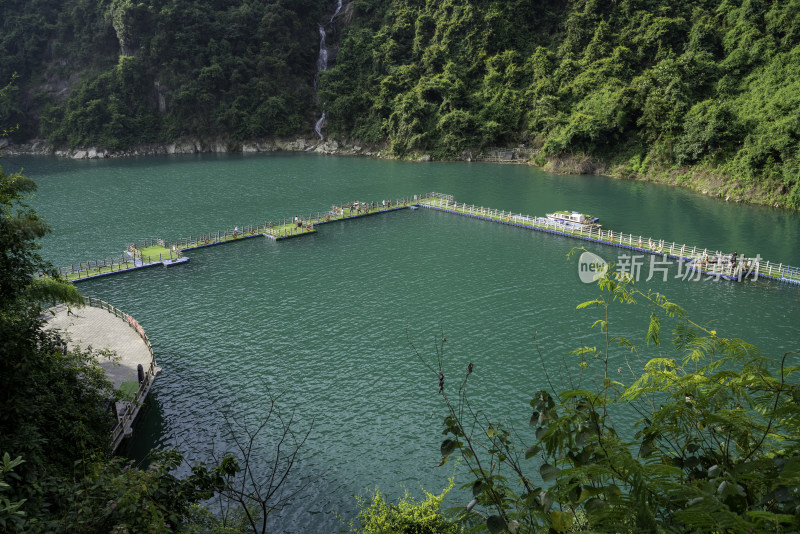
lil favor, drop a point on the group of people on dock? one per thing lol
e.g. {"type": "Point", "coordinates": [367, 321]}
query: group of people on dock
{"type": "Point", "coordinates": [299, 222]}
{"type": "Point", "coordinates": [359, 207]}
{"type": "Point", "coordinates": [729, 262]}
{"type": "Point", "coordinates": [722, 259]}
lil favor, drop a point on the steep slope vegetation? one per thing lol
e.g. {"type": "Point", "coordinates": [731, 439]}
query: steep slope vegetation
{"type": "Point", "coordinates": [704, 93]}
{"type": "Point", "coordinates": [684, 90]}
{"type": "Point", "coordinates": [118, 72]}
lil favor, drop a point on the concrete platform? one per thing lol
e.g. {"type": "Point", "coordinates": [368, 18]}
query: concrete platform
{"type": "Point", "coordinates": [95, 327]}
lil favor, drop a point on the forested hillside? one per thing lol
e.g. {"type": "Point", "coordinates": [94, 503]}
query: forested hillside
{"type": "Point", "coordinates": [694, 92]}
{"type": "Point", "coordinates": [118, 72]}
{"type": "Point", "coordinates": [647, 85]}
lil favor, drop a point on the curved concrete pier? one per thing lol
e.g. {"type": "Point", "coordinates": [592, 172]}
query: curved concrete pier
{"type": "Point", "coordinates": [100, 325]}
{"type": "Point", "coordinates": [95, 327]}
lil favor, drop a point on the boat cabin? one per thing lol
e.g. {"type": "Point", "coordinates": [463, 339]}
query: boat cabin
{"type": "Point", "coordinates": [571, 216]}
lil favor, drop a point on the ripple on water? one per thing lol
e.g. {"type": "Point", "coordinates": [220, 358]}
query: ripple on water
{"type": "Point", "coordinates": [326, 320]}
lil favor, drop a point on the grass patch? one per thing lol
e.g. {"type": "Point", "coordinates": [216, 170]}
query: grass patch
{"type": "Point", "coordinates": [156, 253]}
{"type": "Point", "coordinates": [95, 270]}
{"type": "Point", "coordinates": [127, 390]}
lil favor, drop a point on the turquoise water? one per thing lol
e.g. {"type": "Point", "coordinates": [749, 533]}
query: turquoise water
{"type": "Point", "coordinates": [333, 322]}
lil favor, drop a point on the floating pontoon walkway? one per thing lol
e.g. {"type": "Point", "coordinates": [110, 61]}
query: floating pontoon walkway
{"type": "Point", "coordinates": [647, 245]}
{"type": "Point", "coordinates": [153, 252]}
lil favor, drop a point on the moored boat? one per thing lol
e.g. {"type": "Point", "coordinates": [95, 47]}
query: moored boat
{"type": "Point", "coordinates": [572, 219]}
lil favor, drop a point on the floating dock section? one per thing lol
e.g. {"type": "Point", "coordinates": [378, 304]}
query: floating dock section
{"type": "Point", "coordinates": [696, 257]}
{"type": "Point", "coordinates": [153, 252]}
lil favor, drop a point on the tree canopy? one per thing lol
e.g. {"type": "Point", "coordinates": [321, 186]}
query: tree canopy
{"type": "Point", "coordinates": [115, 73]}
{"type": "Point", "coordinates": [640, 84]}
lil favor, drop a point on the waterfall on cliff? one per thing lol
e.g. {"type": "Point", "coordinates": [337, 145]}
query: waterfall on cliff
{"type": "Point", "coordinates": [338, 8]}
{"type": "Point", "coordinates": [318, 126]}
{"type": "Point", "coordinates": [322, 59]}
{"type": "Point", "coordinates": [322, 63]}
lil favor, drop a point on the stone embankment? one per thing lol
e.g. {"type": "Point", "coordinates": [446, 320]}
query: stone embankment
{"type": "Point", "coordinates": [299, 144]}
{"type": "Point", "coordinates": [191, 146]}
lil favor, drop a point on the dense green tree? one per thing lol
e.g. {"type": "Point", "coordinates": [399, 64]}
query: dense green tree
{"type": "Point", "coordinates": [114, 73]}
{"type": "Point", "coordinates": [55, 475]}
{"type": "Point", "coordinates": [673, 84]}
{"type": "Point", "coordinates": [52, 402]}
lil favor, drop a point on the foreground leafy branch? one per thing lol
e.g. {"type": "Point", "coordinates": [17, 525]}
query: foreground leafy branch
{"type": "Point", "coordinates": [716, 446]}
{"type": "Point", "coordinates": [377, 516]}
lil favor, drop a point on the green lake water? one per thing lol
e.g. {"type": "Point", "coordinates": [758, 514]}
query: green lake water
{"type": "Point", "coordinates": [329, 320]}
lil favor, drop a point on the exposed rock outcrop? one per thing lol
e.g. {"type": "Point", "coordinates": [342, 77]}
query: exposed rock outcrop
{"type": "Point", "coordinates": [187, 146]}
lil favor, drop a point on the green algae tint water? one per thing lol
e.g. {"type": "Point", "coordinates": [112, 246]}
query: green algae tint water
{"type": "Point", "coordinates": [343, 324]}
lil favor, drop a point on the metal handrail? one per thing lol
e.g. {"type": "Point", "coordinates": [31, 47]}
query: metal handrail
{"type": "Point", "coordinates": [595, 233]}
{"type": "Point", "coordinates": [127, 416]}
